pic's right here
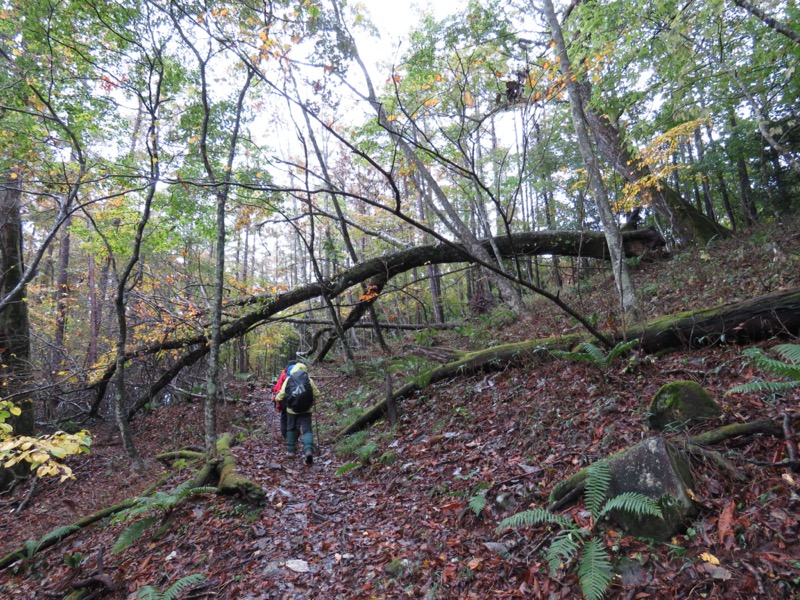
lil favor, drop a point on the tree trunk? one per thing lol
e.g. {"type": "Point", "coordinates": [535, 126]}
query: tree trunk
{"type": "Point", "coordinates": [752, 320]}
{"type": "Point", "coordinates": [61, 295]}
{"type": "Point", "coordinates": [627, 293]}
{"type": "Point", "coordinates": [644, 242]}
{"type": "Point", "coordinates": [685, 221]}
{"type": "Point", "coordinates": [14, 329]}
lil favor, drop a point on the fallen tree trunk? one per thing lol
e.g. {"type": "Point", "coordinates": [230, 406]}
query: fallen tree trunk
{"type": "Point", "coordinates": [469, 363]}
{"type": "Point", "coordinates": [763, 317]}
{"type": "Point", "coordinates": [759, 318]}
{"type": "Point", "coordinates": [57, 535]}
{"type": "Point", "coordinates": [588, 244]}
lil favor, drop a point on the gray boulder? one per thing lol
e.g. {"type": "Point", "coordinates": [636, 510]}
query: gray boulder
{"type": "Point", "coordinates": [658, 470]}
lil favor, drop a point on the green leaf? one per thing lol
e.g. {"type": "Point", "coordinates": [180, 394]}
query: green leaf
{"type": "Point", "coordinates": [148, 592]}
{"type": "Point", "coordinates": [534, 516]}
{"type": "Point", "coordinates": [562, 550]}
{"type": "Point", "coordinates": [133, 533]}
{"type": "Point", "coordinates": [182, 584]}
{"type": "Point", "coordinates": [598, 480]}
{"type": "Point", "coordinates": [347, 467]}
{"type": "Point", "coordinates": [477, 503]}
{"type": "Point", "coordinates": [594, 570]}
{"type": "Point", "coordinates": [634, 503]}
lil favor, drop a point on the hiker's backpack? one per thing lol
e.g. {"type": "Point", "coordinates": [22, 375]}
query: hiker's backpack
{"type": "Point", "coordinates": [299, 394]}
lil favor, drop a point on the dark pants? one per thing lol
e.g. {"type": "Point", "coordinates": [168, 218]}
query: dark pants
{"type": "Point", "coordinates": [284, 416]}
{"type": "Point", "coordinates": [301, 422]}
{"type": "Point", "coordinates": [296, 424]}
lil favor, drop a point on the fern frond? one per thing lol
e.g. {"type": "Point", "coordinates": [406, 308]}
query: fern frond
{"type": "Point", "coordinates": [133, 533]}
{"type": "Point", "coordinates": [594, 570]}
{"type": "Point", "coordinates": [780, 368]}
{"type": "Point", "coordinates": [56, 534]}
{"type": "Point", "coordinates": [764, 387]}
{"type": "Point", "coordinates": [562, 550]}
{"type": "Point", "coordinates": [576, 357]}
{"type": "Point", "coordinates": [534, 516]}
{"type": "Point", "coordinates": [477, 503]}
{"type": "Point", "coordinates": [620, 349]}
{"type": "Point", "coordinates": [596, 355]}
{"type": "Point", "coordinates": [634, 503]}
{"type": "Point", "coordinates": [347, 467]}
{"type": "Point", "coordinates": [30, 547]}
{"type": "Point", "coordinates": [182, 584]}
{"type": "Point", "coordinates": [790, 352]}
{"type": "Point", "coordinates": [148, 592]}
{"type": "Point", "coordinates": [598, 480]}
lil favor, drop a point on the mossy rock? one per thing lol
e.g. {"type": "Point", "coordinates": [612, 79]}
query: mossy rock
{"type": "Point", "coordinates": [680, 405]}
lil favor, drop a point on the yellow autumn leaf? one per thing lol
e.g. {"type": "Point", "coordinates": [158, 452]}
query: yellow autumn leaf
{"type": "Point", "coordinates": [468, 99]}
{"type": "Point", "coordinates": [710, 558]}
{"type": "Point", "coordinates": [430, 102]}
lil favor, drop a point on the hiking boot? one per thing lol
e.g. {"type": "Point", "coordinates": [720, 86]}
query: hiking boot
{"type": "Point", "coordinates": [291, 453]}
{"type": "Point", "coordinates": [309, 457]}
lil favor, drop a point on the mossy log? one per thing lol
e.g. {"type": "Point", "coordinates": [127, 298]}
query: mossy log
{"type": "Point", "coordinates": [759, 318]}
{"type": "Point", "coordinates": [179, 454]}
{"type": "Point", "coordinates": [569, 489]}
{"type": "Point", "coordinates": [469, 363]}
{"type": "Point", "coordinates": [230, 481]}
{"type": "Point", "coordinates": [264, 307]}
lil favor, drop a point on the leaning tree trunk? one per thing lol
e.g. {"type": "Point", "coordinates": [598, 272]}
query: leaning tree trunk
{"type": "Point", "coordinates": [625, 288]}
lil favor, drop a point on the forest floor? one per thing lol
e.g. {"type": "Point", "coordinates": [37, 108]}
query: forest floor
{"type": "Point", "coordinates": [404, 521]}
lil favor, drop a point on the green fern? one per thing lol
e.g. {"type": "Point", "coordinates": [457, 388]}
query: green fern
{"type": "Point", "coordinates": [150, 592]}
{"type": "Point", "coordinates": [597, 483]}
{"type": "Point", "coordinates": [156, 506]}
{"type": "Point", "coordinates": [631, 502]}
{"type": "Point", "coordinates": [620, 349]}
{"type": "Point", "coordinates": [593, 563]}
{"type": "Point", "coordinates": [31, 547]}
{"type": "Point", "coordinates": [133, 533]}
{"type": "Point", "coordinates": [563, 548]}
{"type": "Point", "coordinates": [594, 570]}
{"type": "Point", "coordinates": [589, 353]}
{"type": "Point", "coordinates": [477, 503]}
{"type": "Point", "coordinates": [182, 584]}
{"type": "Point", "coordinates": [788, 370]}
{"type": "Point", "coordinates": [366, 451]}
{"type": "Point", "coordinates": [347, 467]}
{"type": "Point", "coordinates": [534, 516]}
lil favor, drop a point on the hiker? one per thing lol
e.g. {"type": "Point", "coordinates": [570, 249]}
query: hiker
{"type": "Point", "coordinates": [298, 393]}
{"type": "Point", "coordinates": [281, 406]}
